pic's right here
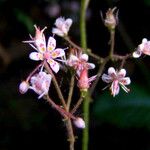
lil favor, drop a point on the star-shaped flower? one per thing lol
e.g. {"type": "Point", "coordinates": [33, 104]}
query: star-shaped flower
{"type": "Point", "coordinates": [79, 62]}
{"type": "Point", "coordinates": [116, 78]}
{"type": "Point", "coordinates": [49, 53]}
{"type": "Point", "coordinates": [143, 48]}
{"type": "Point", "coordinates": [40, 83]}
{"type": "Point", "coordinates": [62, 26]}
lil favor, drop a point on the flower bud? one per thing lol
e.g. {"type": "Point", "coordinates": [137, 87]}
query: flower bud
{"type": "Point", "coordinates": [23, 87]}
{"type": "Point", "coordinates": [79, 123]}
{"type": "Point", "coordinates": [83, 82]}
{"type": "Point", "coordinates": [111, 19]}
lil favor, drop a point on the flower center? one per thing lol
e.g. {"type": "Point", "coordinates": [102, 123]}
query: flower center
{"type": "Point", "coordinates": [46, 55]}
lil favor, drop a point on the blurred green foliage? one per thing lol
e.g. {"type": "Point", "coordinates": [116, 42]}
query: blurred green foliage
{"type": "Point", "coordinates": [147, 2]}
{"type": "Point", "coordinates": [125, 110]}
{"type": "Point", "coordinates": [25, 20]}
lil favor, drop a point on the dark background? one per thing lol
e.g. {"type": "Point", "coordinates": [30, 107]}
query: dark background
{"type": "Point", "coordinates": [121, 123]}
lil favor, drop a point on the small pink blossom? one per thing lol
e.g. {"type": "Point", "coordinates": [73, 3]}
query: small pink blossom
{"type": "Point", "coordinates": [79, 123]}
{"type": "Point", "coordinates": [79, 62]}
{"type": "Point", "coordinates": [40, 83]}
{"type": "Point", "coordinates": [49, 53]}
{"type": "Point", "coordinates": [23, 87]}
{"type": "Point", "coordinates": [143, 48]}
{"type": "Point", "coordinates": [62, 26]}
{"type": "Point", "coordinates": [84, 82]}
{"type": "Point", "coordinates": [116, 78]}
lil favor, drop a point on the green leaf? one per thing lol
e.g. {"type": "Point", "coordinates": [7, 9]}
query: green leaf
{"type": "Point", "coordinates": [125, 110]}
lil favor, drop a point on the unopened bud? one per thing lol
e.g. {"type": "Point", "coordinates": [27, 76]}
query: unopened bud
{"type": "Point", "coordinates": [79, 123]}
{"type": "Point", "coordinates": [111, 19]}
{"type": "Point", "coordinates": [23, 87]}
{"type": "Point", "coordinates": [83, 82]}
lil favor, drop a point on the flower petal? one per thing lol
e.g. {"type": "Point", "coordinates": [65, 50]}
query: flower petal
{"type": "Point", "coordinates": [36, 56]}
{"type": "Point", "coordinates": [146, 52]}
{"type": "Point", "coordinates": [125, 81]}
{"type": "Point", "coordinates": [72, 60]}
{"type": "Point", "coordinates": [40, 39]}
{"type": "Point", "coordinates": [57, 32]}
{"type": "Point", "coordinates": [40, 83]}
{"type": "Point", "coordinates": [68, 23]}
{"type": "Point", "coordinates": [137, 54]}
{"type": "Point", "coordinates": [92, 78]}
{"type": "Point", "coordinates": [106, 78]}
{"type": "Point", "coordinates": [59, 22]}
{"type": "Point", "coordinates": [111, 71]}
{"type": "Point", "coordinates": [91, 65]}
{"type": "Point", "coordinates": [54, 65]}
{"type": "Point", "coordinates": [51, 44]}
{"type": "Point", "coordinates": [144, 40]}
{"type": "Point", "coordinates": [59, 52]}
{"type": "Point", "coordinates": [41, 45]}
{"type": "Point", "coordinates": [122, 73]}
{"type": "Point", "coordinates": [115, 88]}
{"type": "Point", "coordinates": [66, 26]}
{"type": "Point", "coordinates": [84, 57]}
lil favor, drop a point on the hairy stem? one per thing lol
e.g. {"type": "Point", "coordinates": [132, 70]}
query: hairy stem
{"type": "Point", "coordinates": [71, 137]}
{"type": "Point", "coordinates": [100, 71]}
{"type": "Point", "coordinates": [70, 93]}
{"type": "Point", "coordinates": [77, 105]}
{"type": "Point", "coordinates": [33, 72]}
{"type": "Point", "coordinates": [63, 112]}
{"type": "Point", "coordinates": [72, 43]}
{"type": "Point", "coordinates": [56, 85]}
{"type": "Point", "coordinates": [68, 116]}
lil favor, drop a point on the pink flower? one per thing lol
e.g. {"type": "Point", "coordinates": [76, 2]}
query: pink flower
{"type": "Point", "coordinates": [48, 53]}
{"type": "Point", "coordinates": [116, 78]}
{"type": "Point", "coordinates": [40, 83]}
{"type": "Point", "coordinates": [143, 48]}
{"type": "Point", "coordinates": [84, 82]}
{"type": "Point", "coordinates": [79, 62]}
{"type": "Point", "coordinates": [23, 87]}
{"type": "Point", "coordinates": [79, 123]}
{"type": "Point", "coordinates": [62, 26]}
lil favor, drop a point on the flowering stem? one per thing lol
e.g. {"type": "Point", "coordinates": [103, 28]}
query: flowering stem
{"type": "Point", "coordinates": [70, 92]}
{"type": "Point", "coordinates": [77, 105]}
{"type": "Point", "coordinates": [84, 4]}
{"type": "Point", "coordinates": [68, 116]}
{"type": "Point", "coordinates": [98, 58]}
{"type": "Point", "coordinates": [100, 71]}
{"type": "Point", "coordinates": [56, 85]}
{"type": "Point", "coordinates": [112, 42]}
{"type": "Point", "coordinates": [89, 52]}
{"type": "Point", "coordinates": [86, 107]}
{"type": "Point", "coordinates": [72, 43]}
{"type": "Point", "coordinates": [33, 72]}
{"type": "Point", "coordinates": [71, 137]}
{"type": "Point", "coordinates": [64, 113]}
{"type": "Point", "coordinates": [86, 104]}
